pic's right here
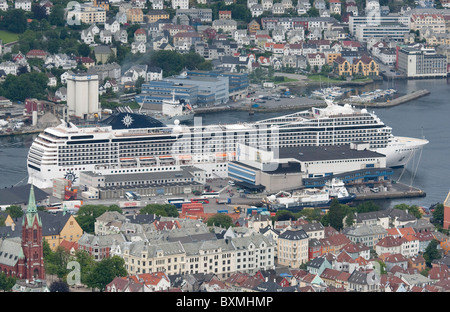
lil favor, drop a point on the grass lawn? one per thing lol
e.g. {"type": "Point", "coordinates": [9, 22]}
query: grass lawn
{"type": "Point", "coordinates": [7, 36]}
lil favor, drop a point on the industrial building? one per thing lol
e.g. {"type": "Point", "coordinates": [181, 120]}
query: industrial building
{"type": "Point", "coordinates": [308, 166]}
{"type": "Point", "coordinates": [172, 182]}
{"type": "Point", "coordinates": [421, 63]}
{"type": "Point", "coordinates": [82, 95]}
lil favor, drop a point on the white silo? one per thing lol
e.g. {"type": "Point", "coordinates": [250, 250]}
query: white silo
{"type": "Point", "coordinates": [70, 97]}
{"type": "Point", "coordinates": [93, 95]}
{"type": "Point", "coordinates": [82, 95]}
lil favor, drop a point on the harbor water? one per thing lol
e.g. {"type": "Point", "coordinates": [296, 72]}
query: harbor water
{"type": "Point", "coordinates": [427, 116]}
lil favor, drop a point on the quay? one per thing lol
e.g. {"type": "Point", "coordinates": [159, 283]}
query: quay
{"type": "Point", "coordinates": [397, 101]}
{"type": "Point", "coordinates": [272, 105]}
{"type": "Point", "coordinates": [393, 191]}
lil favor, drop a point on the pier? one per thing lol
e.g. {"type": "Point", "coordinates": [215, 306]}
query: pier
{"type": "Point", "coordinates": [397, 101]}
{"type": "Point", "coordinates": [393, 191]}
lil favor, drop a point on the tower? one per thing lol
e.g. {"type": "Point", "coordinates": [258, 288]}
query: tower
{"type": "Point", "coordinates": [82, 95]}
{"type": "Point", "coordinates": [446, 224]}
{"type": "Point", "coordinates": [32, 264]}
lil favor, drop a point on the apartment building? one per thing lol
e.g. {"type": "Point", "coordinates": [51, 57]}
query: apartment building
{"type": "Point", "coordinates": [292, 248]}
{"type": "Point", "coordinates": [87, 14]}
{"type": "Point", "coordinates": [434, 21]}
{"type": "Point", "coordinates": [221, 257]}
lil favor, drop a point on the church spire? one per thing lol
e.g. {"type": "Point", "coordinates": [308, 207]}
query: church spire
{"type": "Point", "coordinates": [31, 202]}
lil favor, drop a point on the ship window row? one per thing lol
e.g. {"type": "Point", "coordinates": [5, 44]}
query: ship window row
{"type": "Point", "coordinates": [71, 163]}
{"type": "Point", "coordinates": [72, 169]}
{"type": "Point", "coordinates": [145, 170]}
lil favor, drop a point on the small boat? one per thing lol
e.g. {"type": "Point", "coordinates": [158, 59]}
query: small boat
{"type": "Point", "coordinates": [310, 198]}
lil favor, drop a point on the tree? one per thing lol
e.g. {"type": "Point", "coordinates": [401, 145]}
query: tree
{"type": "Point", "coordinates": [26, 85]}
{"type": "Point", "coordinates": [220, 220]}
{"type": "Point", "coordinates": [105, 271]}
{"type": "Point", "coordinates": [171, 62]}
{"type": "Point", "coordinates": [59, 286]}
{"type": "Point", "coordinates": [431, 252]}
{"type": "Point", "coordinates": [6, 282]}
{"type": "Point", "coordinates": [164, 210]}
{"type": "Point", "coordinates": [39, 11]}
{"type": "Point", "coordinates": [87, 214]}
{"type": "Point", "coordinates": [313, 12]}
{"type": "Point", "coordinates": [335, 215]}
{"type": "Point", "coordinates": [56, 262]}
{"type": "Point", "coordinates": [56, 17]}
{"type": "Point", "coordinates": [84, 50]}
{"type": "Point", "coordinates": [283, 215]}
{"type": "Point", "coordinates": [14, 21]}
{"type": "Point", "coordinates": [438, 214]}
{"type": "Point", "coordinates": [411, 209]}
{"type": "Point", "coordinates": [14, 211]}
{"type": "Point", "coordinates": [367, 206]}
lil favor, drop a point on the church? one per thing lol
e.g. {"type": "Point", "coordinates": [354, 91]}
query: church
{"type": "Point", "coordinates": [22, 256]}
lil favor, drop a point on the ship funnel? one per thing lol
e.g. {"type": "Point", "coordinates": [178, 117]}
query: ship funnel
{"type": "Point", "coordinates": [329, 102]}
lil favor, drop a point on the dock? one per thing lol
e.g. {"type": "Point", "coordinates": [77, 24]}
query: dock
{"type": "Point", "coordinates": [397, 101]}
{"type": "Point", "coordinates": [394, 191]}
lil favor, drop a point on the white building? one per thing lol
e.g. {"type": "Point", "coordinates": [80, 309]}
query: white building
{"type": "Point", "coordinates": [180, 4]}
{"type": "Point", "coordinates": [23, 5]}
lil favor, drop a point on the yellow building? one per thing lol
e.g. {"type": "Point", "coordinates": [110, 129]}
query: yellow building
{"type": "Point", "coordinates": [365, 66]}
{"type": "Point", "coordinates": [331, 57]}
{"type": "Point", "coordinates": [155, 15]}
{"type": "Point", "coordinates": [135, 15]}
{"type": "Point", "coordinates": [102, 4]}
{"type": "Point", "coordinates": [342, 67]}
{"type": "Point", "coordinates": [292, 248]}
{"type": "Point", "coordinates": [253, 26]}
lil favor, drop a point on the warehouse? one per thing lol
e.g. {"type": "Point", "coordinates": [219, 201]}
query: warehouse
{"type": "Point", "coordinates": [186, 180]}
{"type": "Point", "coordinates": [307, 166]}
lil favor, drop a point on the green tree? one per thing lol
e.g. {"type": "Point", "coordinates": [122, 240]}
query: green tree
{"type": "Point", "coordinates": [27, 85]}
{"type": "Point", "coordinates": [431, 252]}
{"type": "Point", "coordinates": [84, 50]}
{"type": "Point", "coordinates": [14, 211]}
{"type": "Point", "coordinates": [313, 12]}
{"type": "Point", "coordinates": [56, 262]}
{"type": "Point", "coordinates": [164, 210]}
{"type": "Point", "coordinates": [220, 220]}
{"type": "Point", "coordinates": [412, 209]}
{"type": "Point", "coordinates": [56, 16]}
{"type": "Point", "coordinates": [7, 282]}
{"type": "Point", "coordinates": [335, 215]}
{"type": "Point", "coordinates": [367, 206]}
{"type": "Point", "coordinates": [171, 62]}
{"type": "Point", "coordinates": [283, 215]}
{"type": "Point", "coordinates": [59, 286]}
{"type": "Point", "coordinates": [438, 214]}
{"type": "Point", "coordinates": [87, 214]}
{"type": "Point", "coordinates": [14, 21]}
{"type": "Point", "coordinates": [39, 11]}
{"type": "Point", "coordinates": [105, 271]}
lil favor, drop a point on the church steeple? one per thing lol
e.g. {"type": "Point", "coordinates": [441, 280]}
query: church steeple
{"type": "Point", "coordinates": [31, 208]}
{"type": "Point", "coordinates": [31, 213]}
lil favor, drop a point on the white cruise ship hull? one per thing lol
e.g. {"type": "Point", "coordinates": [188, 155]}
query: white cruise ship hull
{"type": "Point", "coordinates": [139, 143]}
{"type": "Point", "coordinates": [401, 150]}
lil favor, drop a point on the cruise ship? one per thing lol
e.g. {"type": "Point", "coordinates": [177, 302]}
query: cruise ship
{"type": "Point", "coordinates": [127, 142]}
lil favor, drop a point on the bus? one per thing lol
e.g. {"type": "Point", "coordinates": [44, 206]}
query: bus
{"type": "Point", "coordinates": [210, 195]}
{"type": "Point", "coordinates": [132, 196]}
{"type": "Point", "coordinates": [200, 200]}
{"type": "Point", "coordinates": [177, 202]}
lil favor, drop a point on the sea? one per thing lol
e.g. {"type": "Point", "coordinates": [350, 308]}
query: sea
{"type": "Point", "coordinates": [427, 117]}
